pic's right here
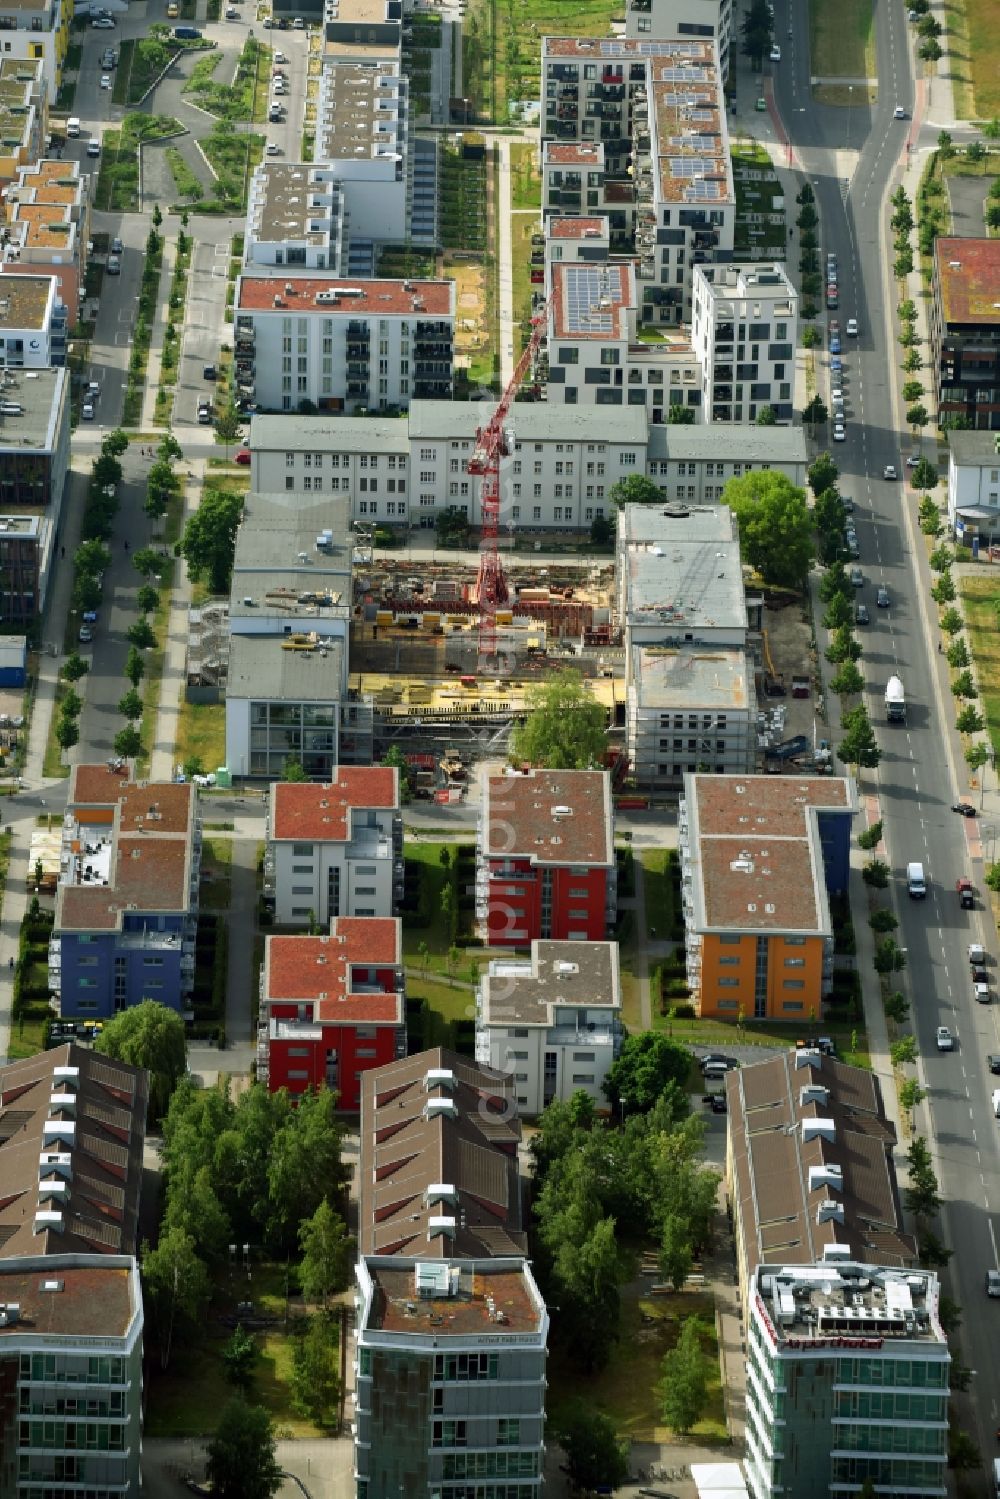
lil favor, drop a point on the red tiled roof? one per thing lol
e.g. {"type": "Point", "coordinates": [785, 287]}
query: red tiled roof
{"type": "Point", "coordinates": [149, 873]}
{"type": "Point", "coordinates": [302, 810]}
{"type": "Point", "coordinates": [577, 228]}
{"type": "Point", "coordinates": [318, 969]}
{"type": "Point", "coordinates": [379, 298]}
{"type": "Point", "coordinates": [521, 819]}
{"type": "Point", "coordinates": [968, 272]}
{"type": "Point", "coordinates": [97, 785]}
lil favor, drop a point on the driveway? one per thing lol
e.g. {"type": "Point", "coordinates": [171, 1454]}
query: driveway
{"type": "Point", "coordinates": [966, 195]}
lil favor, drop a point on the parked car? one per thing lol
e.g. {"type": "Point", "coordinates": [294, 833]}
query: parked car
{"type": "Point", "coordinates": [899, 113]}
{"type": "Point", "coordinates": [103, 23]}
{"type": "Point", "coordinates": [105, 80]}
{"type": "Point", "coordinates": [993, 1061]}
{"type": "Point", "coordinates": [242, 456]}
{"type": "Point", "coordinates": [964, 809]}
{"type": "Point", "coordinates": [775, 54]}
{"type": "Point", "coordinates": [85, 634]}
{"type": "Point", "coordinates": [835, 343]}
{"type": "Point", "coordinates": [87, 411]}
{"type": "Point", "coordinates": [861, 616]}
{"type": "Point", "coordinates": [117, 248]}
{"type": "Point", "coordinates": [280, 57]}
{"type": "Point", "coordinates": [272, 148]}
{"type": "Point", "coordinates": [839, 432]}
{"type": "Point", "coordinates": [209, 372]}
{"type": "Point", "coordinates": [114, 266]}
{"type": "Point", "coordinates": [981, 993]}
{"type": "Point", "coordinates": [966, 893]}
{"type": "Point", "coordinates": [857, 578]}
{"type": "Point", "coordinates": [93, 147]}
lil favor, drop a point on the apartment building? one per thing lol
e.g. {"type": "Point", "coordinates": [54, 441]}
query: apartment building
{"type": "Point", "coordinates": [127, 898]}
{"type": "Point", "coordinates": [586, 237]}
{"type": "Point", "coordinates": [760, 858]}
{"type": "Point", "coordinates": [847, 1363]}
{"type": "Point", "coordinates": [33, 323]}
{"type": "Point", "coordinates": [335, 849]}
{"type": "Point", "coordinates": [647, 20]}
{"type": "Point", "coordinates": [362, 131]}
{"type": "Point", "coordinates": [553, 1021]}
{"type": "Point", "coordinates": [546, 857]}
{"type": "Point", "coordinates": [744, 330]}
{"type": "Point", "coordinates": [451, 1327]}
{"type": "Point", "coordinates": [341, 347]}
{"type": "Point", "coordinates": [974, 487]}
{"type": "Point", "coordinates": [689, 708]}
{"type": "Point", "coordinates": [33, 31]}
{"type": "Point", "coordinates": [965, 330]}
{"type": "Point", "coordinates": [296, 215]}
{"type": "Point", "coordinates": [285, 670]}
{"type": "Point", "coordinates": [692, 464]}
{"type": "Point", "coordinates": [332, 1007]}
{"type": "Point", "coordinates": [23, 114]}
{"type": "Point", "coordinates": [72, 1318]}
{"type": "Point", "coordinates": [405, 472]}
{"type": "Point", "coordinates": [47, 231]}
{"type": "Point", "coordinates": [657, 110]}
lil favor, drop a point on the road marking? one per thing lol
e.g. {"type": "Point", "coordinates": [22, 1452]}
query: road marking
{"type": "Point", "coordinates": [993, 1241]}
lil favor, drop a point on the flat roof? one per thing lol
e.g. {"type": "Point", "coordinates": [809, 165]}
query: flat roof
{"type": "Point", "coordinates": [488, 1300]}
{"type": "Point", "coordinates": [681, 677]}
{"type": "Point", "coordinates": [807, 1131]}
{"type": "Point", "coordinates": [260, 668]}
{"type": "Point", "coordinates": [325, 434]}
{"type": "Point", "coordinates": [591, 300]}
{"type": "Point", "coordinates": [683, 585]}
{"type": "Point", "coordinates": [974, 449]}
{"type": "Point", "coordinates": [531, 421]}
{"type": "Point", "coordinates": [72, 1126]}
{"type": "Point", "coordinates": [304, 811]}
{"type": "Point", "coordinates": [40, 395]}
{"type": "Point", "coordinates": [439, 1138]}
{"type": "Point", "coordinates": [691, 140]}
{"type": "Point", "coordinates": [45, 225]}
{"type": "Point", "coordinates": [754, 278]}
{"type": "Point", "coordinates": [282, 206]}
{"type": "Point", "coordinates": [572, 154]}
{"type": "Point", "coordinates": [24, 301]}
{"type": "Point", "coordinates": [326, 971]}
{"type": "Point", "coordinates": [358, 113]}
{"type": "Point", "coordinates": [280, 568]}
{"type": "Point", "coordinates": [756, 861]}
{"type": "Point", "coordinates": [60, 1299]}
{"type": "Point", "coordinates": [346, 298]}
{"type": "Point", "coordinates": [558, 976]}
{"type": "Point", "coordinates": [549, 817]}
{"type": "Point", "coordinates": [968, 274]}
{"type": "Point", "coordinates": [736, 441]}
{"type": "Point", "coordinates": [819, 1308]}
{"type": "Point", "coordinates": [583, 228]}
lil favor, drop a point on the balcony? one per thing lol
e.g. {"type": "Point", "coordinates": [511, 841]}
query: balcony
{"type": "Point", "coordinates": [359, 332]}
{"type": "Point", "coordinates": [357, 390]}
{"type": "Point", "coordinates": [357, 349]}
{"type": "Point", "coordinates": [356, 370]}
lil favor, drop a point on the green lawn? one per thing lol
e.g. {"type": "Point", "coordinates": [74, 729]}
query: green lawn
{"type": "Point", "coordinates": [216, 873]}
{"type": "Point", "coordinates": [201, 734]}
{"type": "Point", "coordinates": [841, 40]}
{"type": "Point", "coordinates": [523, 226]}
{"type": "Point", "coordinates": [980, 597]}
{"type": "Point", "coordinates": [525, 178]}
{"type": "Point", "coordinates": [973, 38]}
{"type": "Point", "coordinates": [501, 68]}
{"type": "Point", "coordinates": [626, 1389]}
{"type": "Point", "coordinates": [26, 1031]}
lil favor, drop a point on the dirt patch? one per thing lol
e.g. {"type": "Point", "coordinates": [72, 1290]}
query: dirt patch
{"type": "Point", "coordinates": [470, 294]}
{"type": "Point", "coordinates": [788, 652]}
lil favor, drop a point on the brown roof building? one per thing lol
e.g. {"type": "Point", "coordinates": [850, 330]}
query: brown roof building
{"type": "Point", "coordinates": [72, 1126]}
{"type": "Point", "coordinates": [809, 1165]}
{"type": "Point", "coordinates": [965, 330]}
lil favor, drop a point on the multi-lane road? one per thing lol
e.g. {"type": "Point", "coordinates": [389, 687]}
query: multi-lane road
{"type": "Point", "coordinates": [852, 156]}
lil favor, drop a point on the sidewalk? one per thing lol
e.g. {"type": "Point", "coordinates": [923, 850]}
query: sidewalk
{"type": "Point", "coordinates": [159, 328]}
{"type": "Point", "coordinates": [174, 677]}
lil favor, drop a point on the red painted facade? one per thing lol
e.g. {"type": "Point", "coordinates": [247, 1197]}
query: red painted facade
{"type": "Point", "coordinates": [519, 912]}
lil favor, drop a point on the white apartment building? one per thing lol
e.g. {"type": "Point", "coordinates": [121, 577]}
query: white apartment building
{"type": "Point", "coordinates": [655, 112]}
{"type": "Point", "coordinates": [33, 323]}
{"type": "Point", "coordinates": [648, 20]}
{"type": "Point", "coordinates": [335, 849]}
{"type": "Point", "coordinates": [596, 356]}
{"type": "Point", "coordinates": [362, 131]}
{"type": "Point", "coordinates": [553, 1021]}
{"type": "Point", "coordinates": [572, 239]}
{"type": "Point", "coordinates": [974, 486]}
{"type": "Point", "coordinates": [375, 345]}
{"type": "Point", "coordinates": [38, 30]}
{"type": "Point", "coordinates": [693, 464]}
{"type": "Point", "coordinates": [689, 708]}
{"type": "Point", "coordinates": [295, 219]}
{"type": "Point", "coordinates": [744, 330]}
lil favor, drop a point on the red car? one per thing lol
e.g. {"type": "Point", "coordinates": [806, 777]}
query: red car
{"type": "Point", "coordinates": [242, 456]}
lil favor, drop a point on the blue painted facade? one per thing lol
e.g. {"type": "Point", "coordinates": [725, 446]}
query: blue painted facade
{"type": "Point", "coordinates": [835, 840]}
{"type": "Point", "coordinates": [103, 972]}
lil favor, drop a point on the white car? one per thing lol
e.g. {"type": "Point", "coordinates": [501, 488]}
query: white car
{"type": "Point", "coordinates": [87, 411]}
{"type": "Point", "coordinates": [852, 327]}
{"type": "Point", "coordinates": [103, 23]}
{"type": "Point", "coordinates": [993, 1282]}
{"type": "Point", "coordinates": [945, 1039]}
{"type": "Point", "coordinates": [836, 396]}
{"type": "Point", "coordinates": [889, 472]}
{"type": "Point", "coordinates": [105, 80]}
{"type": "Point", "coordinates": [899, 113]}
{"type": "Point", "coordinates": [272, 148]}
{"type": "Point", "coordinates": [280, 57]}
{"type": "Point", "coordinates": [775, 54]}
{"type": "Point", "coordinates": [839, 433]}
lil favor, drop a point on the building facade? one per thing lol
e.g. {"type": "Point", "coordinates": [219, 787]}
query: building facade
{"type": "Point", "coordinates": [647, 20]}
{"type": "Point", "coordinates": [38, 31]}
{"type": "Point", "coordinates": [295, 220]}
{"type": "Point", "coordinates": [316, 339]}
{"type": "Point", "coordinates": [974, 486]}
{"type": "Point", "coordinates": [546, 857]}
{"type": "Point", "coordinates": [362, 131]}
{"type": "Point", "coordinates": [33, 323]}
{"type": "Point", "coordinates": [48, 230]}
{"type": "Point", "coordinates": [689, 708]}
{"type": "Point", "coordinates": [760, 857]}
{"type": "Point", "coordinates": [744, 329]}
{"type": "Point", "coordinates": [332, 1008]}
{"type": "Point", "coordinates": [335, 849]}
{"type": "Point", "coordinates": [553, 1021]}
{"type": "Point", "coordinates": [965, 330]}
{"type": "Point", "coordinates": [127, 900]}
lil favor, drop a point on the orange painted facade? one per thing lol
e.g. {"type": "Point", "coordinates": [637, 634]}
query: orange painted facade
{"type": "Point", "coordinates": [728, 980]}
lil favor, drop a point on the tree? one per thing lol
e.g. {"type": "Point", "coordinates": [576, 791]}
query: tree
{"type": "Point", "coordinates": [316, 1369]}
{"type": "Point", "coordinates": [177, 1286]}
{"type": "Point", "coordinates": [683, 1386]}
{"type": "Point", "coordinates": [241, 1456]}
{"type": "Point", "coordinates": [209, 541]}
{"type": "Point", "coordinates": [991, 129]}
{"type": "Point", "coordinates": [396, 760]}
{"type": "Point", "coordinates": [916, 415]}
{"type": "Point", "coordinates": [859, 746]}
{"type": "Point", "coordinates": [775, 526]}
{"type": "Point", "coordinates": [930, 50]}
{"type": "Point", "coordinates": [946, 145]}
{"type": "Point", "coordinates": [327, 1254]}
{"type": "Point", "coordinates": [912, 390]}
{"type": "Point", "coordinates": [680, 416]}
{"type": "Point", "coordinates": [822, 474]}
{"type": "Point", "coordinates": [876, 874]}
{"type": "Point", "coordinates": [767, 417]}
{"type": "Point", "coordinates": [303, 1167]}
{"type": "Point", "coordinates": [86, 592]}
{"type": "Point", "coordinates": [889, 956]}
{"type": "Point", "coordinates": [834, 582]}
{"type": "Point", "coordinates": [130, 706]}
{"type": "Point", "coordinates": [128, 742]}
{"type": "Point", "coordinates": [870, 838]}
{"type": "Point", "coordinates": [565, 729]}
{"type": "Point", "coordinates": [924, 475]}
{"type": "Point", "coordinates": [239, 1358]}
{"type": "Point", "coordinates": [848, 681]}
{"type": "Point", "coordinates": [970, 720]}
{"type": "Point", "coordinates": [161, 485]}
{"type": "Point", "coordinates": [635, 490]}
{"type": "Point", "coordinates": [152, 1036]}
{"type": "Point", "coordinates": [976, 756]}
{"type": "Point", "coordinates": [595, 1457]}
{"type": "Point", "coordinates": [840, 612]}
{"type": "Point", "coordinates": [757, 28]}
{"type": "Point", "coordinates": [912, 361]}
{"type": "Point", "coordinates": [67, 732]}
{"type": "Point", "coordinates": [602, 531]}
{"type": "Point", "coordinates": [452, 527]}
{"type": "Point", "coordinates": [168, 449]}
{"type": "Point", "coordinates": [114, 443]}
{"type": "Point", "coordinates": [74, 667]}
{"type": "Point", "coordinates": [964, 686]}
{"type": "Point", "coordinates": [843, 646]}
{"type": "Point", "coordinates": [676, 1254]}
{"type": "Point", "coordinates": [193, 1206]}
{"type": "Point", "coordinates": [903, 1051]}
{"type": "Point", "coordinates": [951, 621]}
{"type": "Point", "coordinates": [135, 666]}
{"type": "Point", "coordinates": [294, 771]}
{"type": "Point", "coordinates": [228, 425]}
{"type": "Point", "coordinates": [140, 634]}
{"type": "Point", "coordinates": [106, 472]}
{"type": "Point", "coordinates": [147, 562]}
{"type": "Point", "coordinates": [147, 599]}
{"type": "Point", "coordinates": [815, 413]}
{"type": "Point", "coordinates": [896, 1006]}
{"type": "Point", "coordinates": [957, 654]}
{"type": "Point", "coordinates": [71, 705]}
{"type": "Point", "coordinates": [646, 1064]}
{"type": "Point", "coordinates": [811, 339]}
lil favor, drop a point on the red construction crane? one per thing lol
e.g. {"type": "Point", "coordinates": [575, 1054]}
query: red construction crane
{"type": "Point", "coordinates": [493, 442]}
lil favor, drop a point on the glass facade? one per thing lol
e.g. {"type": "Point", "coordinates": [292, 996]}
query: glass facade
{"type": "Point", "coordinates": [306, 732]}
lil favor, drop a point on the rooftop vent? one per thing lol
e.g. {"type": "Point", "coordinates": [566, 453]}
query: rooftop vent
{"type": "Point", "coordinates": [433, 1278]}
{"type": "Point", "coordinates": [565, 968]}
{"type": "Point", "coordinates": [50, 1287]}
{"type": "Point", "coordinates": [830, 1211]}
{"type": "Point", "coordinates": [818, 1129]}
{"type": "Point", "coordinates": [10, 1312]}
{"type": "Point", "coordinates": [441, 1227]}
{"type": "Point", "coordinates": [48, 1218]}
{"type": "Point", "coordinates": [438, 1077]}
{"type": "Point", "coordinates": [836, 1251]}
{"type": "Point", "coordinates": [55, 1130]}
{"type": "Point", "coordinates": [437, 1108]}
{"type": "Point", "coordinates": [440, 1192]}
{"type": "Point", "coordinates": [827, 1175]}
{"type": "Point", "coordinates": [67, 1077]}
{"type": "Point", "coordinates": [814, 1093]}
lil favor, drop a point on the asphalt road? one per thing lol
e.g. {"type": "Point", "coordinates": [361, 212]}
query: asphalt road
{"type": "Point", "coordinates": [915, 777]}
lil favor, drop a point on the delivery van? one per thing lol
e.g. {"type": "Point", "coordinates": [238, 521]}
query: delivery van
{"type": "Point", "coordinates": [916, 885]}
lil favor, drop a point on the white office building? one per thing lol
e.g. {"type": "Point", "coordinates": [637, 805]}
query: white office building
{"type": "Point", "coordinates": [553, 1021]}
{"type": "Point", "coordinates": [744, 330]}
{"type": "Point", "coordinates": [371, 346]}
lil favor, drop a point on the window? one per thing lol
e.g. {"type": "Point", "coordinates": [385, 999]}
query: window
{"type": "Point", "coordinates": [728, 983]}
{"type": "Point", "coordinates": [583, 1077]}
{"type": "Point", "coordinates": [508, 1431]}
{"type": "Point", "coordinates": [583, 1056]}
{"type": "Point", "coordinates": [795, 962]}
{"type": "Point", "coordinates": [366, 1051]}
{"type": "Point", "coordinates": [793, 984]}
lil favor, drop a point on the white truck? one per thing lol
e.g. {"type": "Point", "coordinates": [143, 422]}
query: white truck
{"type": "Point", "coordinates": [895, 701]}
